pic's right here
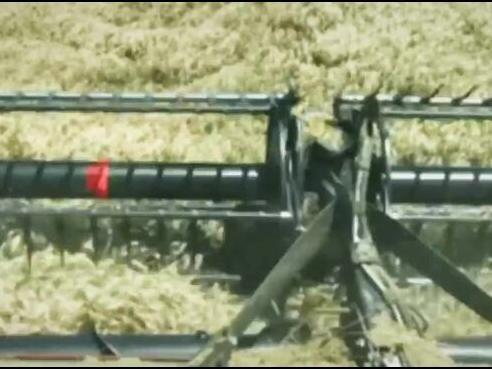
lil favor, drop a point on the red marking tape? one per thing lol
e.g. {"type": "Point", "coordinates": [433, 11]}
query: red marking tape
{"type": "Point", "coordinates": [97, 179]}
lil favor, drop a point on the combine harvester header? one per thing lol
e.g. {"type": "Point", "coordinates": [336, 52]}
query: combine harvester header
{"type": "Point", "coordinates": [268, 240]}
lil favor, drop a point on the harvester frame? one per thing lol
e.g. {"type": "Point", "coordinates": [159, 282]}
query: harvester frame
{"type": "Point", "coordinates": [355, 187]}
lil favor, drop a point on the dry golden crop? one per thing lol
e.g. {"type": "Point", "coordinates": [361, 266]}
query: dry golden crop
{"type": "Point", "coordinates": [324, 47]}
{"type": "Point", "coordinates": [110, 296]}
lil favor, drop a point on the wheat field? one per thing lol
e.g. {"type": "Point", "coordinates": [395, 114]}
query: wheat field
{"type": "Point", "coordinates": [324, 48]}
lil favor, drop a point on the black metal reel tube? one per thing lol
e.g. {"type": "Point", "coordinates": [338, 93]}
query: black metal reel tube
{"type": "Point", "coordinates": [441, 185]}
{"type": "Point", "coordinates": [138, 180]}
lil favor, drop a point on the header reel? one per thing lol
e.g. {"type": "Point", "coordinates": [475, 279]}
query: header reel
{"type": "Point", "coordinates": [268, 240]}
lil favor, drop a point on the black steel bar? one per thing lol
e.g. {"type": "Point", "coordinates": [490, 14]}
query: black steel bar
{"type": "Point", "coordinates": [418, 214]}
{"type": "Point", "coordinates": [65, 179]}
{"type": "Point", "coordinates": [405, 107]}
{"type": "Point", "coordinates": [154, 347]}
{"type": "Point", "coordinates": [141, 102]}
{"type": "Point", "coordinates": [147, 213]}
{"type": "Point", "coordinates": [468, 350]}
{"type": "Point", "coordinates": [444, 218]}
{"type": "Point", "coordinates": [182, 348]}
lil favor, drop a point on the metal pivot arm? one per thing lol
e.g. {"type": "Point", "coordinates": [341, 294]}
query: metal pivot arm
{"type": "Point", "coordinates": [370, 292]}
{"type": "Point", "coordinates": [299, 254]}
{"type": "Point", "coordinates": [281, 136]}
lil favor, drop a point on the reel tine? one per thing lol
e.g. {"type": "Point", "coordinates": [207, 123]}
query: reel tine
{"type": "Point", "coordinates": [192, 236]}
{"type": "Point", "coordinates": [192, 241]}
{"type": "Point", "coordinates": [115, 245]}
{"type": "Point", "coordinates": [417, 226]}
{"type": "Point", "coordinates": [371, 105]}
{"type": "Point", "coordinates": [376, 91]}
{"type": "Point", "coordinates": [94, 226]}
{"type": "Point", "coordinates": [449, 237]}
{"type": "Point", "coordinates": [433, 94]}
{"type": "Point", "coordinates": [127, 236]}
{"type": "Point", "coordinates": [459, 99]}
{"type": "Point", "coordinates": [162, 236]}
{"type": "Point", "coordinates": [482, 241]}
{"type": "Point", "coordinates": [27, 235]}
{"type": "Point", "coordinates": [61, 232]}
